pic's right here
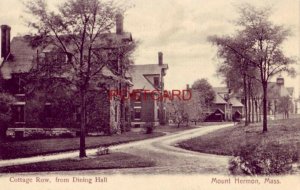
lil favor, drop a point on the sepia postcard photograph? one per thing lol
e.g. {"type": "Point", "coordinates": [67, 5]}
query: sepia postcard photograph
{"type": "Point", "coordinates": [150, 94]}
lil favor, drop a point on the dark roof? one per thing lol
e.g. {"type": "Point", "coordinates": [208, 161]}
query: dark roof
{"type": "Point", "coordinates": [221, 92]}
{"type": "Point", "coordinates": [139, 74]}
{"type": "Point", "coordinates": [23, 55]}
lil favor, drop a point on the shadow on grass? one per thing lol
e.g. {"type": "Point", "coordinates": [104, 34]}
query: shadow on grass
{"type": "Point", "coordinates": [109, 161]}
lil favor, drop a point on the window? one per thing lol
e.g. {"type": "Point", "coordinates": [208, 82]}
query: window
{"type": "Point", "coordinates": [156, 81]}
{"type": "Point", "coordinates": [138, 96]}
{"type": "Point", "coordinates": [137, 113]}
{"type": "Point", "coordinates": [48, 110]}
{"type": "Point", "coordinates": [126, 114]}
{"type": "Point", "coordinates": [18, 84]}
{"type": "Point", "coordinates": [18, 113]}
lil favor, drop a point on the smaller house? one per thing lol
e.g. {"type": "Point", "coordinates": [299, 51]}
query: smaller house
{"type": "Point", "coordinates": [226, 106]}
{"type": "Point", "coordinates": [148, 84]}
{"type": "Point", "coordinates": [237, 108]}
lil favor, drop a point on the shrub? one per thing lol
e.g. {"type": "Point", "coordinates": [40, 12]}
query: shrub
{"type": "Point", "coordinates": [37, 136]}
{"type": "Point", "coordinates": [149, 127]}
{"type": "Point", "coordinates": [266, 159]}
{"type": "Point", "coordinates": [67, 135]}
{"type": "Point", "coordinates": [6, 101]}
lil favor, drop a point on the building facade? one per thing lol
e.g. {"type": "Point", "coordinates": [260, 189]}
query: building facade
{"type": "Point", "coordinates": [277, 90]}
{"type": "Point", "coordinates": [148, 82]}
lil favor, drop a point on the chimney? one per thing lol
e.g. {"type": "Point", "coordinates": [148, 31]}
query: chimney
{"type": "Point", "coordinates": [119, 23]}
{"type": "Point", "coordinates": [5, 41]}
{"type": "Point", "coordinates": [160, 58]}
{"type": "Point", "coordinates": [280, 81]}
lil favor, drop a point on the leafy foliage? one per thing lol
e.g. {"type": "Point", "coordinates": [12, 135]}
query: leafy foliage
{"type": "Point", "coordinates": [256, 49]}
{"type": "Point", "coordinates": [78, 30]}
{"type": "Point", "coordinates": [285, 105]}
{"type": "Point", "coordinates": [6, 101]}
{"type": "Point", "coordinates": [266, 159]}
{"type": "Point", "coordinates": [178, 112]}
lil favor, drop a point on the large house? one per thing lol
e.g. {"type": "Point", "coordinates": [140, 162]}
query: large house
{"type": "Point", "coordinates": [148, 82]}
{"type": "Point", "coordinates": [18, 59]}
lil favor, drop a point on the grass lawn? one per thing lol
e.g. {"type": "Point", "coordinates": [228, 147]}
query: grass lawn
{"type": "Point", "coordinates": [229, 140]}
{"type": "Point", "coordinates": [27, 148]}
{"type": "Point", "coordinates": [173, 128]}
{"type": "Point", "coordinates": [109, 161]}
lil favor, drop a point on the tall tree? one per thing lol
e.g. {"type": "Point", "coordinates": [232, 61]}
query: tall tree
{"type": "Point", "coordinates": [285, 105]}
{"type": "Point", "coordinates": [204, 92]}
{"type": "Point", "coordinates": [265, 53]}
{"type": "Point", "coordinates": [178, 110]}
{"type": "Point", "coordinates": [77, 31]}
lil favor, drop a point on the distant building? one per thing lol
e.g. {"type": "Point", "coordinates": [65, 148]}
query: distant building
{"type": "Point", "coordinates": [226, 106]}
{"type": "Point", "coordinates": [276, 90]}
{"type": "Point", "coordinates": [146, 108]}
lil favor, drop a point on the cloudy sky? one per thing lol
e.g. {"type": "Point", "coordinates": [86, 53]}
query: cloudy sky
{"type": "Point", "coordinates": [179, 29]}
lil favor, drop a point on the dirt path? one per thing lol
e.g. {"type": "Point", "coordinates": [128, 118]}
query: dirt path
{"type": "Point", "coordinates": [169, 159]}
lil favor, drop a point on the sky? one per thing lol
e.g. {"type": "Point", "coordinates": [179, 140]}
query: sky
{"type": "Point", "coordinates": [180, 29]}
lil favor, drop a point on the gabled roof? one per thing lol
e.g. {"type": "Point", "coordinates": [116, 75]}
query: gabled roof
{"type": "Point", "coordinates": [219, 100]}
{"type": "Point", "coordinates": [237, 111]}
{"type": "Point", "coordinates": [218, 109]}
{"type": "Point", "coordinates": [219, 91]}
{"type": "Point", "coordinates": [138, 74]}
{"type": "Point", "coordinates": [23, 55]}
{"type": "Point", "coordinates": [235, 102]}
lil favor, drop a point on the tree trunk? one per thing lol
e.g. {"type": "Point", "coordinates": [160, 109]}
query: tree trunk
{"type": "Point", "coordinates": [3, 130]}
{"type": "Point", "coordinates": [256, 111]}
{"type": "Point", "coordinates": [249, 102]}
{"type": "Point", "coordinates": [245, 97]}
{"type": "Point", "coordinates": [82, 152]}
{"type": "Point", "coordinates": [253, 110]}
{"type": "Point", "coordinates": [265, 108]}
